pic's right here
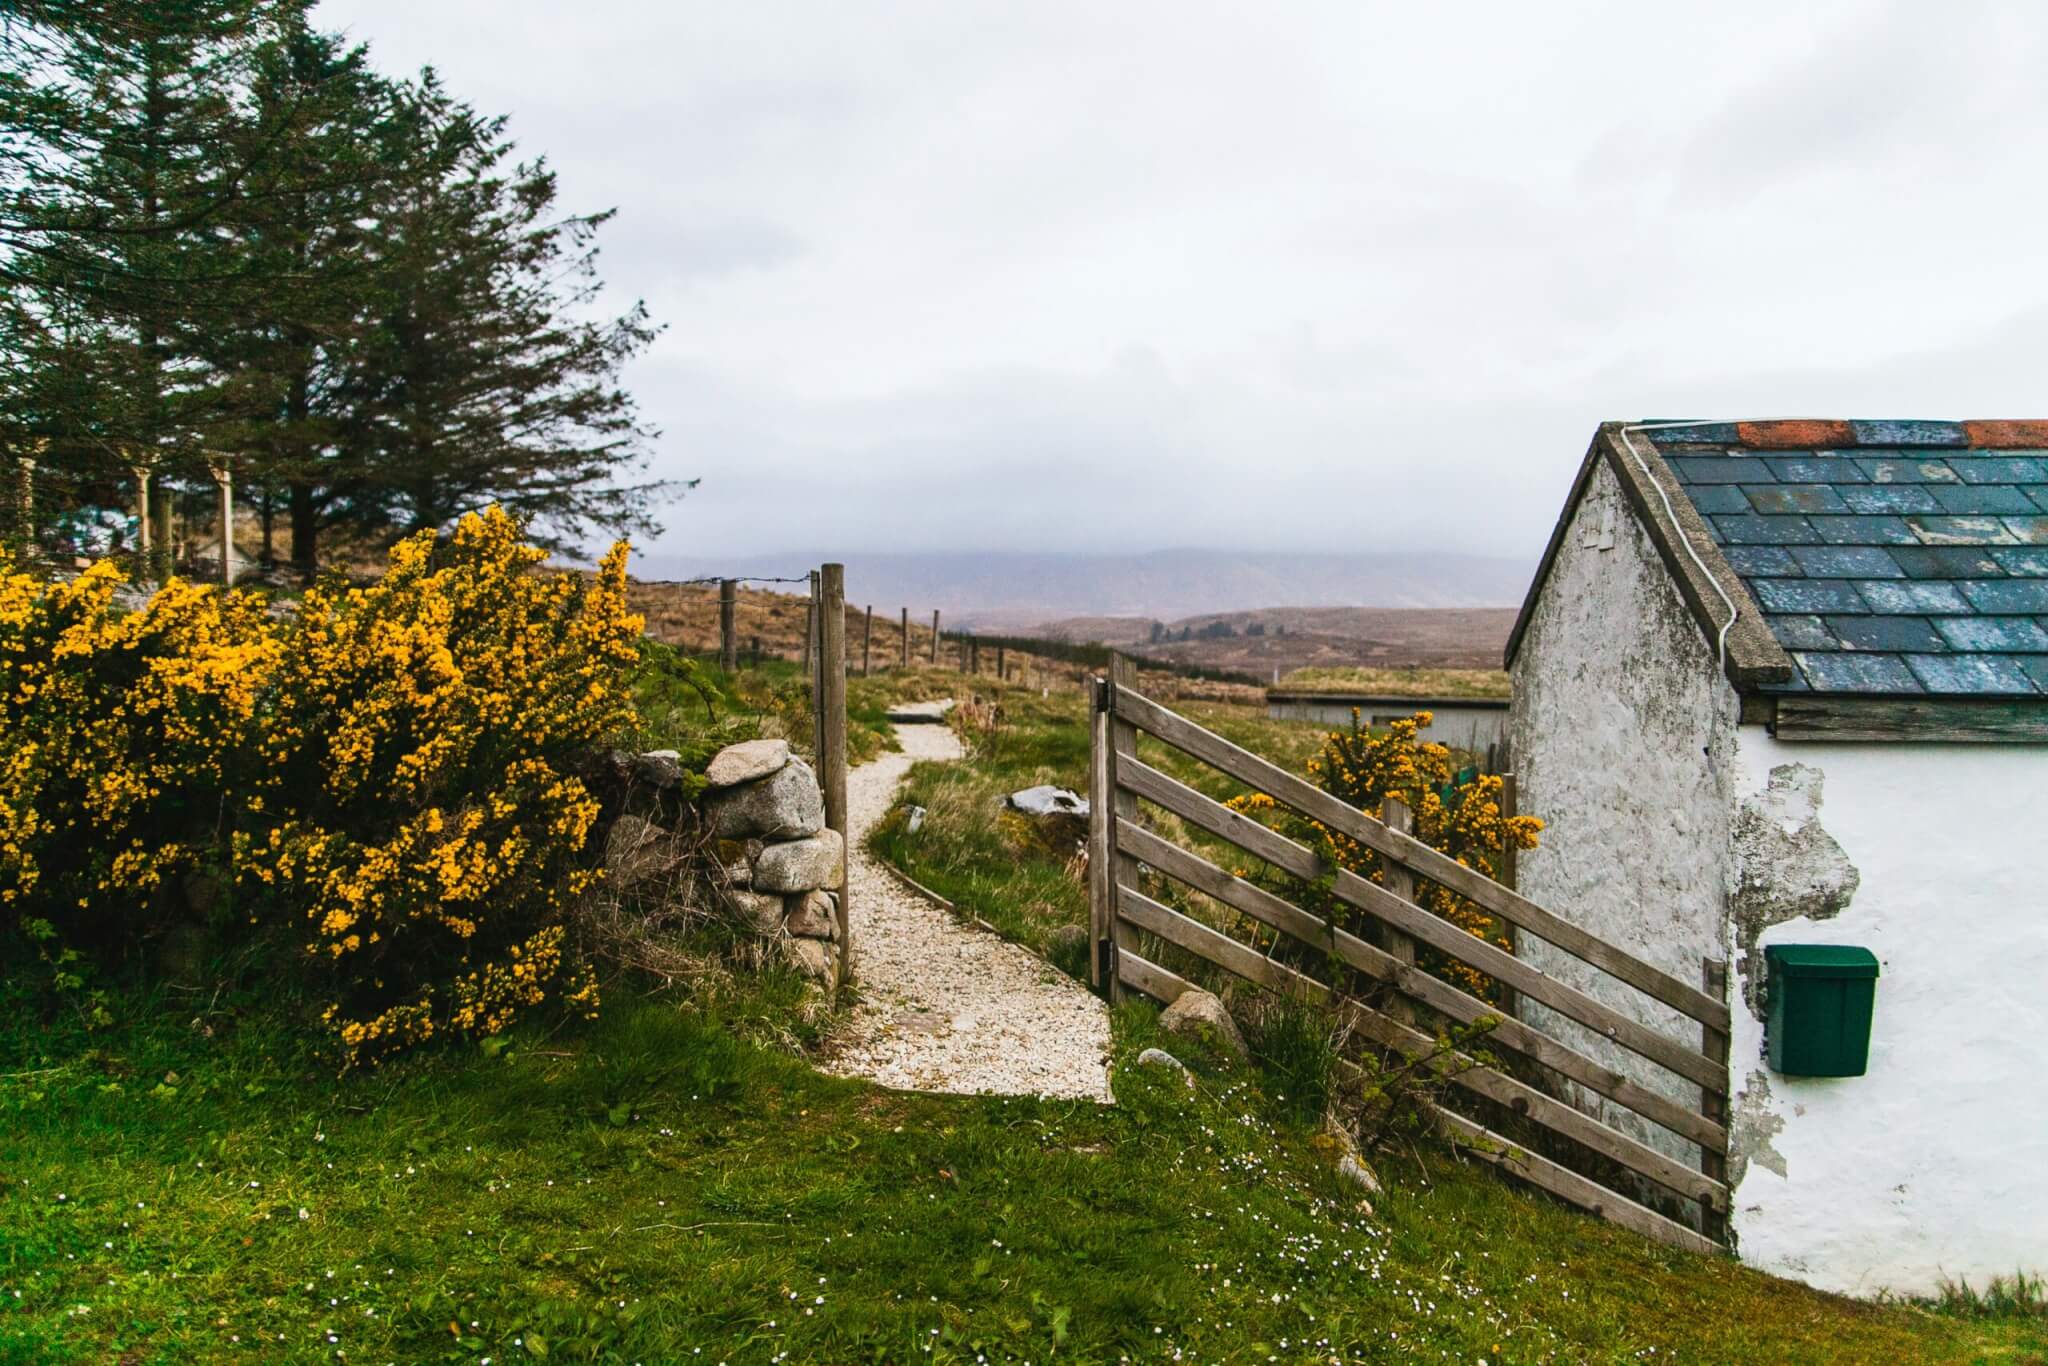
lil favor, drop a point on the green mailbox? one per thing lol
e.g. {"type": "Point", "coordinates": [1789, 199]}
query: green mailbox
{"type": "Point", "coordinates": [1819, 1013]}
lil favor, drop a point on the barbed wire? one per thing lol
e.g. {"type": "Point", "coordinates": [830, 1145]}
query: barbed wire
{"type": "Point", "coordinates": [720, 578]}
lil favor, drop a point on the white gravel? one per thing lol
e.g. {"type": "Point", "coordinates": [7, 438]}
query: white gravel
{"type": "Point", "coordinates": [945, 1006]}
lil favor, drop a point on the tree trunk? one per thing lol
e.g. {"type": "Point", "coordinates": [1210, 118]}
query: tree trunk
{"type": "Point", "coordinates": [305, 531]}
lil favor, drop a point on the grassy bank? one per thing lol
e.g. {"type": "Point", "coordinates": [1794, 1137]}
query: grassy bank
{"type": "Point", "coordinates": [676, 1182]}
{"type": "Point", "coordinates": [660, 1185]}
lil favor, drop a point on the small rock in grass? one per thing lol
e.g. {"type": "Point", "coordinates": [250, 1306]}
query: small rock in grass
{"type": "Point", "coordinates": [801, 865]}
{"type": "Point", "coordinates": [1200, 1015]}
{"type": "Point", "coordinates": [813, 915]}
{"type": "Point", "coordinates": [1159, 1057]}
{"type": "Point", "coordinates": [746, 761]}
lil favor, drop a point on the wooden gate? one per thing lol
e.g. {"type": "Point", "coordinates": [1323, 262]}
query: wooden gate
{"type": "Point", "coordinates": [1596, 1157]}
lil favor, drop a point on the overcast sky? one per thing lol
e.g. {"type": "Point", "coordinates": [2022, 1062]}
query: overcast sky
{"type": "Point", "coordinates": [1130, 275]}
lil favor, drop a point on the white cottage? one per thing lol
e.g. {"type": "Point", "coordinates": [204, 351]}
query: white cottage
{"type": "Point", "coordinates": [1786, 684]}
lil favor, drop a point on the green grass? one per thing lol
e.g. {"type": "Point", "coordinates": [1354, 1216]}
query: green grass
{"type": "Point", "coordinates": [655, 1185]}
{"type": "Point", "coordinates": [676, 1182]}
{"type": "Point", "coordinates": [1401, 682]}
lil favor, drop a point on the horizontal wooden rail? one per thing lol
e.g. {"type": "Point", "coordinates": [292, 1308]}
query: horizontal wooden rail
{"type": "Point", "coordinates": [1569, 1186]}
{"type": "Point", "coordinates": [1219, 948]}
{"type": "Point", "coordinates": [1313, 802]}
{"type": "Point", "coordinates": [1507, 1031]}
{"type": "Point", "coordinates": [1429, 928]}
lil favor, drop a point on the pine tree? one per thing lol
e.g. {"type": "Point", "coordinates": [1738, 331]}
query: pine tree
{"type": "Point", "coordinates": [480, 381]}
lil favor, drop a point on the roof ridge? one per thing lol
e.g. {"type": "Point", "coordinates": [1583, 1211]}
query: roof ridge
{"type": "Point", "coordinates": [1813, 433]}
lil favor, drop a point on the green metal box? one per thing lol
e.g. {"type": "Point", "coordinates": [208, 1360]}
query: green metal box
{"type": "Point", "coordinates": [1820, 998]}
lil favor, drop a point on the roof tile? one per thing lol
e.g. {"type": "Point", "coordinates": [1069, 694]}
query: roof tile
{"type": "Point", "coordinates": [2026, 435]}
{"type": "Point", "coordinates": [1847, 561]}
{"type": "Point", "coordinates": [1682, 433]}
{"type": "Point", "coordinates": [1959, 530]}
{"type": "Point", "coordinates": [1994, 635]}
{"type": "Point", "coordinates": [1807, 595]}
{"type": "Point", "coordinates": [1897, 432]}
{"type": "Point", "coordinates": [1982, 498]}
{"type": "Point", "coordinates": [1886, 633]}
{"type": "Point", "coordinates": [1946, 562]}
{"type": "Point", "coordinates": [1856, 672]}
{"type": "Point", "coordinates": [1816, 467]}
{"type": "Point", "coordinates": [1862, 530]}
{"type": "Point", "coordinates": [1888, 498]}
{"type": "Point", "coordinates": [1901, 596]}
{"type": "Point", "coordinates": [1969, 674]}
{"type": "Point", "coordinates": [2029, 562]}
{"type": "Point", "coordinates": [1713, 498]}
{"type": "Point", "coordinates": [1720, 469]}
{"type": "Point", "coordinates": [1740, 530]}
{"type": "Point", "coordinates": [2039, 493]}
{"type": "Point", "coordinates": [1802, 631]}
{"type": "Point", "coordinates": [1997, 469]}
{"type": "Point", "coordinates": [1795, 434]}
{"type": "Point", "coordinates": [1894, 469]}
{"type": "Point", "coordinates": [2007, 595]}
{"type": "Point", "coordinates": [2032, 530]}
{"type": "Point", "coordinates": [2036, 668]}
{"type": "Point", "coordinates": [1796, 498]}
{"type": "Point", "coordinates": [1754, 561]}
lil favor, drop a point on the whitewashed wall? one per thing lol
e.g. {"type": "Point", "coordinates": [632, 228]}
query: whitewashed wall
{"type": "Point", "coordinates": [1936, 1162]}
{"type": "Point", "coordinates": [1623, 733]}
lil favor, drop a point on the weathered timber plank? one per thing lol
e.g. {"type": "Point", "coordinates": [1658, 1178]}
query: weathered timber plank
{"type": "Point", "coordinates": [1570, 1187]}
{"type": "Point", "coordinates": [1550, 1112]}
{"type": "Point", "coordinates": [1441, 934]}
{"type": "Point", "coordinates": [1985, 721]}
{"type": "Point", "coordinates": [1249, 963]}
{"type": "Point", "coordinates": [1312, 801]}
{"type": "Point", "coordinates": [1507, 1031]}
{"type": "Point", "coordinates": [1123, 748]}
{"type": "Point", "coordinates": [1162, 986]}
{"type": "Point", "coordinates": [1102, 962]}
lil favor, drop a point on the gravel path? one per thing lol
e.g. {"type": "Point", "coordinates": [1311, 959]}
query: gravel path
{"type": "Point", "coordinates": [947, 1007]}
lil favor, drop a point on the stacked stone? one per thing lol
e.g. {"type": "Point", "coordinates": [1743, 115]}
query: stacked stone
{"type": "Point", "coordinates": [784, 867]}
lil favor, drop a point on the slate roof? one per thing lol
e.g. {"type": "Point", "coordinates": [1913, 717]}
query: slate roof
{"type": "Point", "coordinates": [1889, 557]}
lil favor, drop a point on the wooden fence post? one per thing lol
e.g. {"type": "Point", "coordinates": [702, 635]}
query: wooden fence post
{"type": "Point", "coordinates": [1101, 846]}
{"type": "Point", "coordinates": [728, 625]}
{"type": "Point", "coordinates": [224, 480]}
{"type": "Point", "coordinates": [1714, 1044]}
{"type": "Point", "coordinates": [999, 665]}
{"type": "Point", "coordinates": [1395, 815]}
{"type": "Point", "coordinates": [832, 734]}
{"type": "Point", "coordinates": [1123, 868]}
{"type": "Point", "coordinates": [935, 636]}
{"type": "Point", "coordinates": [974, 654]}
{"type": "Point", "coordinates": [142, 514]}
{"type": "Point", "coordinates": [1510, 797]}
{"type": "Point", "coordinates": [163, 552]}
{"type": "Point", "coordinates": [867, 642]}
{"type": "Point", "coordinates": [905, 642]}
{"type": "Point", "coordinates": [25, 500]}
{"type": "Point", "coordinates": [811, 632]}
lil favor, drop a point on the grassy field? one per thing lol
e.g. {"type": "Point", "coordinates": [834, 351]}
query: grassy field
{"type": "Point", "coordinates": [1401, 682]}
{"type": "Point", "coordinates": [677, 1183]}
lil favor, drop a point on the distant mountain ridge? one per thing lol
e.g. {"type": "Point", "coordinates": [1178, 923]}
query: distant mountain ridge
{"type": "Point", "coordinates": [1017, 589]}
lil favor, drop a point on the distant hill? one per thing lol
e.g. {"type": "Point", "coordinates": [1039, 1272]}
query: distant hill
{"type": "Point", "coordinates": [1015, 590]}
{"type": "Point", "coordinates": [1267, 640]}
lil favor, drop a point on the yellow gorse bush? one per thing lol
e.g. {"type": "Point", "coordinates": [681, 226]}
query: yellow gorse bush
{"type": "Point", "coordinates": [1365, 767]}
{"type": "Point", "coordinates": [387, 776]}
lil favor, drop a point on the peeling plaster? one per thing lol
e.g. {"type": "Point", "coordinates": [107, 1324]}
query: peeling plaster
{"type": "Point", "coordinates": [1752, 1128]}
{"type": "Point", "coordinates": [1786, 867]}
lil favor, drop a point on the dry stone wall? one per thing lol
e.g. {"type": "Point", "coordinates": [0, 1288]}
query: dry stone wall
{"type": "Point", "coordinates": [783, 868]}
